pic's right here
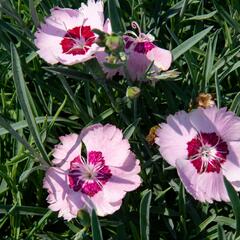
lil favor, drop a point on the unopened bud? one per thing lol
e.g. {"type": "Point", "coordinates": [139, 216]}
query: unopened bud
{"type": "Point", "coordinates": [83, 217]}
{"type": "Point", "coordinates": [114, 42]}
{"type": "Point", "coordinates": [133, 92]}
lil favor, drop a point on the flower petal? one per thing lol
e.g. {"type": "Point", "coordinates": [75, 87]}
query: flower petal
{"type": "Point", "coordinates": [108, 140]}
{"type": "Point", "coordinates": [55, 182]}
{"type": "Point", "coordinates": [93, 13]}
{"type": "Point", "coordinates": [173, 136]}
{"type": "Point", "coordinates": [67, 150]}
{"type": "Point", "coordinates": [231, 167]}
{"type": "Point", "coordinates": [204, 187]}
{"type": "Point", "coordinates": [162, 58]}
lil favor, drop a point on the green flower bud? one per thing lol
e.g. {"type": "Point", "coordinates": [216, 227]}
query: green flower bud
{"type": "Point", "coordinates": [133, 92]}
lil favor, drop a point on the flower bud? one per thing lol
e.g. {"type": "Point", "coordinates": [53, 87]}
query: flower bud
{"type": "Point", "coordinates": [133, 92]}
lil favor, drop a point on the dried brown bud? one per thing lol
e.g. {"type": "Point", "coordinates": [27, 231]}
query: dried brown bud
{"type": "Point", "coordinates": [205, 100]}
{"type": "Point", "coordinates": [150, 138]}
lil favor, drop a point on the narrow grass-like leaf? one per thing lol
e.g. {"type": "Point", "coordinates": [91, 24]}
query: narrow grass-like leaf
{"type": "Point", "coordinates": [75, 101]}
{"type": "Point", "coordinates": [225, 221]}
{"type": "Point", "coordinates": [186, 45]}
{"type": "Point", "coordinates": [202, 17]}
{"type": "Point", "coordinates": [228, 56]}
{"type": "Point", "coordinates": [96, 228]}
{"type": "Point", "coordinates": [128, 132]}
{"type": "Point", "coordinates": [113, 13]}
{"type": "Point", "coordinates": [209, 59]}
{"type": "Point", "coordinates": [57, 113]}
{"type": "Point", "coordinates": [202, 226]}
{"type": "Point", "coordinates": [107, 113]}
{"type": "Point", "coordinates": [144, 215]}
{"type": "Point", "coordinates": [235, 103]}
{"type": "Point", "coordinates": [227, 17]}
{"type": "Point", "coordinates": [33, 13]}
{"type": "Point", "coordinates": [221, 233]}
{"type": "Point", "coordinates": [8, 128]}
{"type": "Point", "coordinates": [39, 223]}
{"type": "Point", "coordinates": [229, 70]}
{"type": "Point", "coordinates": [235, 204]}
{"type": "Point", "coordinates": [23, 124]}
{"type": "Point", "coordinates": [24, 210]}
{"type": "Point", "coordinates": [24, 101]}
{"type": "Point", "coordinates": [26, 173]}
{"type": "Point", "coordinates": [182, 210]}
{"type": "Point", "coordinates": [218, 93]}
{"type": "Point", "coordinates": [71, 73]}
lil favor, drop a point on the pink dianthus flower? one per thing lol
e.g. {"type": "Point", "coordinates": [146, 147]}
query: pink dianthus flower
{"type": "Point", "coordinates": [92, 170]}
{"type": "Point", "coordinates": [141, 53]}
{"type": "Point", "coordinates": [67, 35]}
{"type": "Point", "coordinates": [204, 146]}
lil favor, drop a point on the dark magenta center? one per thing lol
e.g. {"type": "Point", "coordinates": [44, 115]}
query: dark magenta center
{"type": "Point", "coordinates": [78, 40]}
{"type": "Point", "coordinates": [89, 176]}
{"type": "Point", "coordinates": [143, 47]}
{"type": "Point", "coordinates": [207, 152]}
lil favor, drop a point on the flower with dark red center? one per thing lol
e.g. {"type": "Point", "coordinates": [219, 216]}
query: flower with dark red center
{"type": "Point", "coordinates": [67, 35]}
{"type": "Point", "coordinates": [141, 47]}
{"type": "Point", "coordinates": [100, 179]}
{"type": "Point", "coordinates": [204, 146]}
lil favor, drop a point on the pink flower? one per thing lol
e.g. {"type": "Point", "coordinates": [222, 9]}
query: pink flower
{"type": "Point", "coordinates": [67, 36]}
{"type": "Point", "coordinates": [204, 146]}
{"type": "Point", "coordinates": [94, 169]}
{"type": "Point", "coordinates": [141, 53]}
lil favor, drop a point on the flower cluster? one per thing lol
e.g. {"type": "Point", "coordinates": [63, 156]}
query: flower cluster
{"type": "Point", "coordinates": [68, 37]}
{"type": "Point", "coordinates": [96, 168]}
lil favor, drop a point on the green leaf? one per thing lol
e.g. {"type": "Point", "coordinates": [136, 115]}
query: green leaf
{"type": "Point", "coordinates": [24, 210]}
{"type": "Point", "coordinates": [221, 233]}
{"type": "Point", "coordinates": [107, 113]}
{"type": "Point", "coordinates": [24, 101]}
{"type": "Point", "coordinates": [96, 228]}
{"type": "Point", "coordinates": [223, 61]}
{"type": "Point", "coordinates": [202, 17]}
{"type": "Point", "coordinates": [186, 45]}
{"type": "Point", "coordinates": [144, 215]}
{"type": "Point", "coordinates": [113, 13]}
{"type": "Point", "coordinates": [8, 128]}
{"type": "Point", "coordinates": [235, 103]}
{"type": "Point", "coordinates": [41, 222]}
{"type": "Point", "coordinates": [23, 124]}
{"type": "Point", "coordinates": [33, 13]}
{"type": "Point", "coordinates": [128, 132]}
{"type": "Point", "coordinates": [26, 173]}
{"type": "Point", "coordinates": [227, 17]}
{"type": "Point", "coordinates": [218, 93]}
{"type": "Point", "coordinates": [235, 204]}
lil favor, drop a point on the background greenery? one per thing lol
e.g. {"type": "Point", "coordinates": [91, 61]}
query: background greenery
{"type": "Point", "coordinates": [39, 103]}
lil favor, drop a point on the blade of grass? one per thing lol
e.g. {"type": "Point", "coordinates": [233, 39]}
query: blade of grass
{"type": "Point", "coordinates": [186, 45]}
{"type": "Point", "coordinates": [235, 204]}
{"type": "Point", "coordinates": [96, 228]}
{"type": "Point", "coordinates": [24, 101]}
{"type": "Point", "coordinates": [144, 215]}
{"type": "Point", "coordinates": [15, 134]}
{"type": "Point", "coordinates": [33, 13]}
{"type": "Point", "coordinates": [113, 13]}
